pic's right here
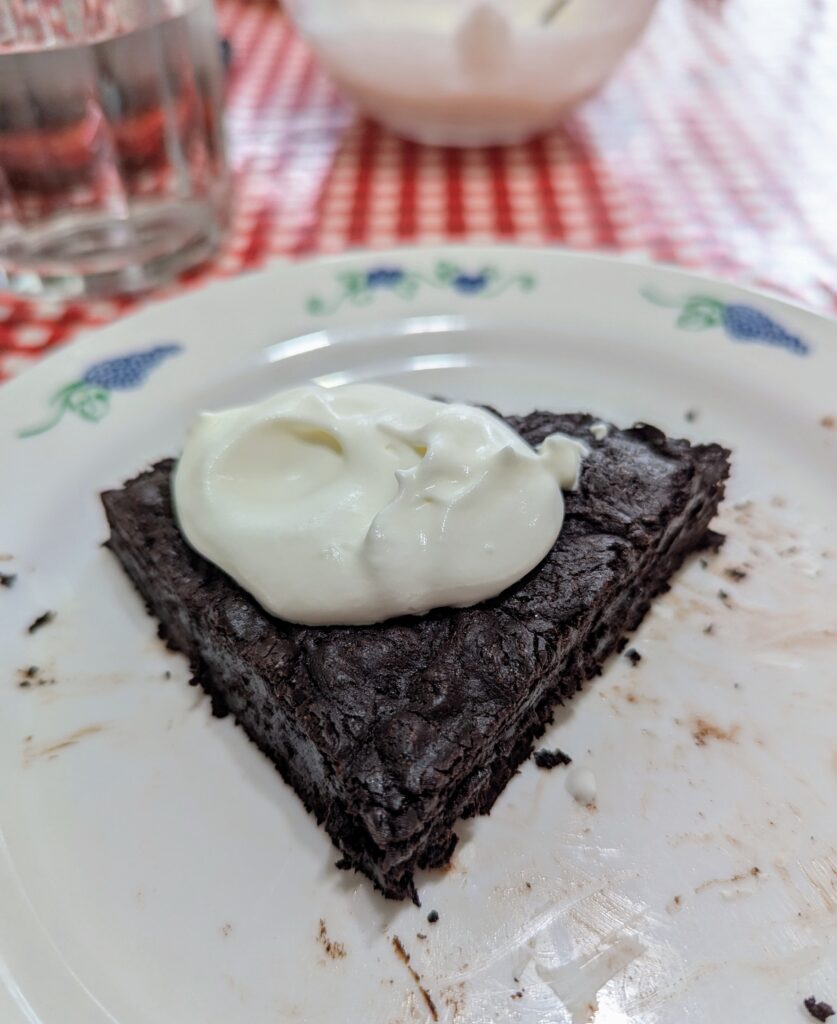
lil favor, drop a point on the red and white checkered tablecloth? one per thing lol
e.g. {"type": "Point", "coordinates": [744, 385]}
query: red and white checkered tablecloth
{"type": "Point", "coordinates": [714, 146]}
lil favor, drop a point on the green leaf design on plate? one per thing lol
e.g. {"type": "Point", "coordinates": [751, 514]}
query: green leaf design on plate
{"type": "Point", "coordinates": [445, 272]}
{"type": "Point", "coordinates": [697, 312]}
{"type": "Point", "coordinates": [700, 313]}
{"type": "Point", "coordinates": [89, 401]}
{"type": "Point", "coordinates": [89, 397]}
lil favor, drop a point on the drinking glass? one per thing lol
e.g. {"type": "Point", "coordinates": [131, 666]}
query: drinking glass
{"type": "Point", "coordinates": [113, 174]}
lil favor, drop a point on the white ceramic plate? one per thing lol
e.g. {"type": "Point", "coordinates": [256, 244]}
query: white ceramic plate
{"type": "Point", "coordinates": [156, 870]}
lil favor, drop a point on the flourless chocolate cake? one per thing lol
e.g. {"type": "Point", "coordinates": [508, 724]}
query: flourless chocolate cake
{"type": "Point", "coordinates": [391, 733]}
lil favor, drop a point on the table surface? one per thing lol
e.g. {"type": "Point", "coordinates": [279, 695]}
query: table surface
{"type": "Point", "coordinates": [713, 147]}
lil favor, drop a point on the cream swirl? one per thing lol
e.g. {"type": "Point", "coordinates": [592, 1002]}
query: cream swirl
{"type": "Point", "coordinates": [356, 504]}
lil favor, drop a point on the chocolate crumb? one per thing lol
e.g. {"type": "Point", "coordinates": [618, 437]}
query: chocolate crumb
{"type": "Point", "coordinates": [422, 936]}
{"type": "Point", "coordinates": [528, 885]}
{"type": "Point", "coordinates": [42, 620]}
{"type": "Point", "coordinates": [518, 994]}
{"type": "Point", "coordinates": [32, 676]}
{"type": "Point", "coordinates": [167, 674]}
{"type": "Point", "coordinates": [829, 422]}
{"type": "Point", "coordinates": [690, 415]}
{"type": "Point", "coordinates": [549, 759]}
{"type": "Point", "coordinates": [736, 574]}
{"type": "Point", "coordinates": [633, 656]}
{"type": "Point", "coordinates": [818, 1010]}
{"type": "Point", "coordinates": [704, 563]}
{"type": "Point", "coordinates": [7, 579]}
{"type": "Point", "coordinates": [433, 916]}
{"type": "Point", "coordinates": [724, 596]}
{"type": "Point", "coordinates": [709, 629]}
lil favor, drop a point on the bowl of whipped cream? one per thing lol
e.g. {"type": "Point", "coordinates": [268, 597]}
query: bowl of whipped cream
{"type": "Point", "coordinates": [470, 72]}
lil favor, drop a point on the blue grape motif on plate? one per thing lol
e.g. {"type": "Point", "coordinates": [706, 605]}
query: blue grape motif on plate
{"type": "Point", "coordinates": [361, 287]}
{"type": "Point", "coordinates": [384, 277]}
{"type": "Point", "coordinates": [89, 397]}
{"type": "Point", "coordinates": [470, 284]}
{"type": "Point", "coordinates": [739, 321]}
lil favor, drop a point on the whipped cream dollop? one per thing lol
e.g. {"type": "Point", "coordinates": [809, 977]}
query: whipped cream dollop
{"type": "Point", "coordinates": [355, 504]}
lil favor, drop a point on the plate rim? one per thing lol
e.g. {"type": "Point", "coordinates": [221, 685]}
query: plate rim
{"type": "Point", "coordinates": [86, 339]}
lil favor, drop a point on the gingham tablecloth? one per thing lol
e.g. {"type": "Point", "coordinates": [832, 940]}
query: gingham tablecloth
{"type": "Point", "coordinates": [714, 147]}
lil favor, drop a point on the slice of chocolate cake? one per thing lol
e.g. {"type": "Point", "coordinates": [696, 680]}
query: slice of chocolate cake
{"type": "Point", "coordinates": [390, 733]}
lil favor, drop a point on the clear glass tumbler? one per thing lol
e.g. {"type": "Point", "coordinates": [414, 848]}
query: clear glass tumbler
{"type": "Point", "coordinates": [113, 174]}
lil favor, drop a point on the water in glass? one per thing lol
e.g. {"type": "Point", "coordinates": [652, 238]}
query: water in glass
{"type": "Point", "coordinates": [112, 167]}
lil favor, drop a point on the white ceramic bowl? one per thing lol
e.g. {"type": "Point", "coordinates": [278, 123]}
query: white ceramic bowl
{"type": "Point", "coordinates": [469, 72]}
